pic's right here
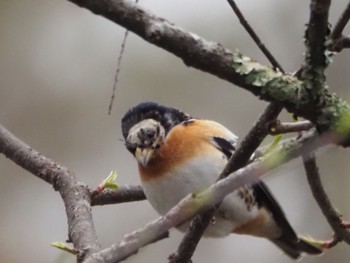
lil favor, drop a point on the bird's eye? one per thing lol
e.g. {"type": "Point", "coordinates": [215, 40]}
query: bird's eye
{"type": "Point", "coordinates": [146, 134]}
{"type": "Point", "coordinates": [142, 132]}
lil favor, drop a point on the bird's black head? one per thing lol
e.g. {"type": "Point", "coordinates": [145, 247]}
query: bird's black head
{"type": "Point", "coordinates": [146, 125]}
{"type": "Point", "coordinates": [168, 117]}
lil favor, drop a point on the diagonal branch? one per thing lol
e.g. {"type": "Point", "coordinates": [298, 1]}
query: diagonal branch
{"type": "Point", "coordinates": [333, 217]}
{"type": "Point", "coordinates": [342, 22]}
{"type": "Point", "coordinates": [193, 50]}
{"type": "Point", "coordinates": [76, 196]}
{"type": "Point", "coordinates": [192, 205]}
{"type": "Point", "coordinates": [254, 36]}
{"type": "Point", "coordinates": [249, 144]}
{"type": "Point", "coordinates": [240, 158]}
{"type": "Point", "coordinates": [232, 66]}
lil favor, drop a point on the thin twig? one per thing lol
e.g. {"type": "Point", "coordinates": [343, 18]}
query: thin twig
{"type": "Point", "coordinates": [333, 217]}
{"type": "Point", "coordinates": [123, 194]}
{"type": "Point", "coordinates": [254, 36]}
{"type": "Point", "coordinates": [116, 76]}
{"type": "Point", "coordinates": [342, 22]}
{"type": "Point", "coordinates": [286, 127]}
{"type": "Point", "coordinates": [340, 44]}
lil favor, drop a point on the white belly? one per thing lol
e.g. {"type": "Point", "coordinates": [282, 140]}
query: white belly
{"type": "Point", "coordinates": [195, 176]}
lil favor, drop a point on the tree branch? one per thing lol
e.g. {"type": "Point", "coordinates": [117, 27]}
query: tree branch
{"type": "Point", "coordinates": [122, 195]}
{"type": "Point", "coordinates": [254, 36]}
{"type": "Point", "coordinates": [195, 51]}
{"type": "Point", "coordinates": [239, 158]}
{"type": "Point", "coordinates": [316, 34]}
{"type": "Point", "coordinates": [333, 217]}
{"type": "Point", "coordinates": [341, 43]}
{"type": "Point", "coordinates": [249, 144]}
{"type": "Point", "coordinates": [342, 22]}
{"type": "Point", "coordinates": [76, 196]}
{"type": "Point", "coordinates": [286, 127]}
{"type": "Point", "coordinates": [316, 61]}
{"type": "Point", "coordinates": [194, 204]}
{"type": "Point", "coordinates": [211, 57]}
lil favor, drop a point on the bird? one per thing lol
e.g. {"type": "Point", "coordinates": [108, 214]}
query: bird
{"type": "Point", "coordinates": [178, 154]}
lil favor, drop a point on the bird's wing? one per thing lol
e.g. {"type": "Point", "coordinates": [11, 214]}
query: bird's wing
{"type": "Point", "coordinates": [263, 195]}
{"type": "Point", "coordinates": [265, 198]}
{"type": "Point", "coordinates": [225, 146]}
{"type": "Point", "coordinates": [221, 138]}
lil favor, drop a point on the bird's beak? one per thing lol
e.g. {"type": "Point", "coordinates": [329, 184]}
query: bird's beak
{"type": "Point", "coordinates": [143, 155]}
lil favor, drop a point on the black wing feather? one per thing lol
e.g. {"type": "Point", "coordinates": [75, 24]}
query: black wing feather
{"type": "Point", "coordinates": [225, 146]}
{"type": "Point", "coordinates": [289, 241]}
{"type": "Point", "coordinates": [265, 198]}
{"type": "Point", "coordinates": [263, 195]}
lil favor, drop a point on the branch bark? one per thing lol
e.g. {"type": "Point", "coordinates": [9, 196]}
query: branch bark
{"type": "Point", "coordinates": [192, 205]}
{"type": "Point", "coordinates": [342, 22]}
{"type": "Point", "coordinates": [254, 36]}
{"type": "Point", "coordinates": [239, 159]}
{"type": "Point", "coordinates": [316, 34]}
{"type": "Point", "coordinates": [262, 81]}
{"type": "Point", "coordinates": [328, 112]}
{"type": "Point", "coordinates": [286, 127]}
{"type": "Point", "coordinates": [76, 196]}
{"type": "Point", "coordinates": [123, 194]}
{"type": "Point", "coordinates": [321, 197]}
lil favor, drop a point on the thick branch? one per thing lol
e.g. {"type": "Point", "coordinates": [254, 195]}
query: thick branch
{"type": "Point", "coordinates": [192, 49]}
{"type": "Point", "coordinates": [211, 57]}
{"type": "Point", "coordinates": [316, 60]}
{"type": "Point", "coordinates": [331, 214]}
{"type": "Point", "coordinates": [76, 196]}
{"type": "Point", "coordinates": [317, 32]}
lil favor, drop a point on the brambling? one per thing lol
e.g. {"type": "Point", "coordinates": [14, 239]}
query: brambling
{"type": "Point", "coordinates": [178, 154]}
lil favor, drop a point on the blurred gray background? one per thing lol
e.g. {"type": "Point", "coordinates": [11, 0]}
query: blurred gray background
{"type": "Point", "coordinates": [57, 66]}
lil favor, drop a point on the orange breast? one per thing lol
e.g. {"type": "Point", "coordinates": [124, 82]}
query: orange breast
{"type": "Point", "coordinates": [182, 143]}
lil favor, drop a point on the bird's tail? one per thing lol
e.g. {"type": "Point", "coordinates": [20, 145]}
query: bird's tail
{"type": "Point", "coordinates": [294, 248]}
